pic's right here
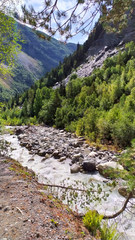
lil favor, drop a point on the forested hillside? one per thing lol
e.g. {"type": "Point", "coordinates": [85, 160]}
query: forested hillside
{"type": "Point", "coordinates": [37, 57]}
{"type": "Point", "coordinates": [100, 107]}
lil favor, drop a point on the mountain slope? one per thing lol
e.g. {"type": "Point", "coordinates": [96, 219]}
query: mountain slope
{"type": "Point", "coordinates": [49, 53]}
{"type": "Point", "coordinates": [101, 45]}
{"type": "Point", "coordinates": [37, 57]}
{"type": "Point", "coordinates": [98, 104]}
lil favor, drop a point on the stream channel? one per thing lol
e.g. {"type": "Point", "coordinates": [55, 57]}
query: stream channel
{"type": "Point", "coordinates": [52, 170]}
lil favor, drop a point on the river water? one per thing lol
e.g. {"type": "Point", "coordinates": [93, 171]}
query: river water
{"type": "Point", "coordinates": [54, 172]}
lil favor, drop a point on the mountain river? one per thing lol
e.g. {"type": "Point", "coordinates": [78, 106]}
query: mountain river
{"type": "Point", "coordinates": [51, 170]}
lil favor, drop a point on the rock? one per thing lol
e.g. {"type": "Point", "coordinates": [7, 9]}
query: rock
{"type": "Point", "coordinates": [89, 166]}
{"type": "Point", "coordinates": [76, 143]}
{"type": "Point", "coordinates": [124, 151]}
{"type": "Point", "coordinates": [75, 168]}
{"type": "Point", "coordinates": [19, 131]}
{"type": "Point", "coordinates": [123, 191]}
{"type": "Point", "coordinates": [114, 158]}
{"type": "Point", "coordinates": [43, 159]}
{"type": "Point", "coordinates": [110, 168]}
{"type": "Point", "coordinates": [81, 160]}
{"type": "Point", "coordinates": [56, 154]}
{"type": "Point", "coordinates": [105, 159]}
{"type": "Point", "coordinates": [62, 159]}
{"type": "Point", "coordinates": [23, 143]}
{"type": "Point", "coordinates": [76, 157]}
{"type": "Point", "coordinates": [46, 156]}
{"type": "Point", "coordinates": [29, 146]}
{"type": "Point", "coordinates": [42, 152]}
{"type": "Point", "coordinates": [35, 142]}
{"type": "Point", "coordinates": [93, 154]}
{"type": "Point", "coordinates": [49, 151]}
{"type": "Point", "coordinates": [7, 208]}
{"type": "Point", "coordinates": [31, 160]}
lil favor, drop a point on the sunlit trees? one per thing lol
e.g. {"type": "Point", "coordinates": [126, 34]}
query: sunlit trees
{"type": "Point", "coordinates": [9, 37]}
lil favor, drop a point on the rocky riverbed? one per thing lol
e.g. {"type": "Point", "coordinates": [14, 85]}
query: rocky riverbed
{"type": "Point", "coordinates": [49, 142]}
{"type": "Point", "coordinates": [58, 157]}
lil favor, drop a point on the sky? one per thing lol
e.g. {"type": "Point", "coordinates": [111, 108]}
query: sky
{"type": "Point", "coordinates": [63, 4]}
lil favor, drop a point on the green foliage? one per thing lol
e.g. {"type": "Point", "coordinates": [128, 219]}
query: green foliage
{"type": "Point", "coordinates": [128, 162]}
{"type": "Point", "coordinates": [37, 102]}
{"type": "Point", "coordinates": [112, 13]}
{"type": "Point", "coordinates": [55, 222]}
{"type": "Point", "coordinates": [100, 107]}
{"type": "Point", "coordinates": [109, 232]}
{"type": "Point", "coordinates": [9, 46]}
{"type": "Point", "coordinates": [37, 57]}
{"type": "Point", "coordinates": [48, 110]}
{"type": "Point", "coordinates": [92, 221]}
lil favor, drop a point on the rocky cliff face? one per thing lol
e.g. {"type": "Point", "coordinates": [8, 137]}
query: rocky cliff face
{"type": "Point", "coordinates": [104, 45]}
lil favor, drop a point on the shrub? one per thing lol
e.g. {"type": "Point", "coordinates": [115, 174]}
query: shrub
{"type": "Point", "coordinates": [92, 221]}
{"type": "Point", "coordinates": [109, 233]}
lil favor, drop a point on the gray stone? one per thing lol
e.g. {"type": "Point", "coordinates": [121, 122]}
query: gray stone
{"type": "Point", "coordinates": [56, 154]}
{"type": "Point", "coordinates": [43, 159]}
{"type": "Point", "coordinates": [23, 143]}
{"type": "Point", "coordinates": [123, 191]}
{"type": "Point", "coordinates": [31, 160]}
{"type": "Point", "coordinates": [75, 168]}
{"type": "Point", "coordinates": [62, 159]}
{"type": "Point", "coordinates": [42, 152]}
{"type": "Point", "coordinates": [89, 166]}
{"type": "Point", "coordinates": [76, 157]}
{"type": "Point", "coordinates": [7, 208]}
{"type": "Point", "coordinates": [19, 131]}
{"type": "Point", "coordinates": [110, 168]}
{"type": "Point", "coordinates": [93, 154]}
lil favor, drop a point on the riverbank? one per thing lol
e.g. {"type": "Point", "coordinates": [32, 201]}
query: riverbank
{"type": "Point", "coordinates": [52, 154]}
{"type": "Point", "coordinates": [26, 213]}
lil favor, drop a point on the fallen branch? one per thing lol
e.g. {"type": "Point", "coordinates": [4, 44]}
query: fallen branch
{"type": "Point", "coordinates": [84, 190]}
{"type": "Point", "coordinates": [68, 188]}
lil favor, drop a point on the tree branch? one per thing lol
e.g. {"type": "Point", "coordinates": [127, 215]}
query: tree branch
{"type": "Point", "coordinates": [121, 210]}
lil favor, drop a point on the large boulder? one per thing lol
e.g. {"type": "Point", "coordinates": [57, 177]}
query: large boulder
{"type": "Point", "coordinates": [89, 166]}
{"type": "Point", "coordinates": [75, 168]}
{"type": "Point", "coordinates": [109, 169]}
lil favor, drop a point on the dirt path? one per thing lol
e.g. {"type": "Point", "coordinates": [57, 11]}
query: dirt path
{"type": "Point", "coordinates": [26, 213]}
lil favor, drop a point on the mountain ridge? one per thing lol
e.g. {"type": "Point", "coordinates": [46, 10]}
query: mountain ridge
{"type": "Point", "coordinates": [101, 45]}
{"type": "Point", "coordinates": [37, 57]}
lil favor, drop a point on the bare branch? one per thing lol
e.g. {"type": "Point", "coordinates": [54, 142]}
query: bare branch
{"type": "Point", "coordinates": [121, 210]}
{"type": "Point", "coordinates": [80, 17]}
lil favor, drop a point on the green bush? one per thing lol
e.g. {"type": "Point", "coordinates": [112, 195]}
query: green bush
{"type": "Point", "coordinates": [109, 232]}
{"type": "Point", "coordinates": [92, 221]}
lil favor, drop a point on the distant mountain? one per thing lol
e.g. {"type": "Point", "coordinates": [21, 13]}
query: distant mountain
{"type": "Point", "coordinates": [37, 57]}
